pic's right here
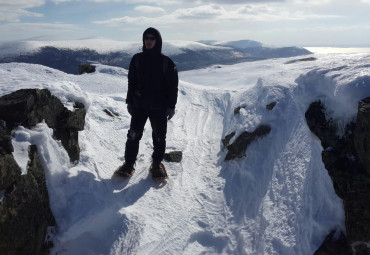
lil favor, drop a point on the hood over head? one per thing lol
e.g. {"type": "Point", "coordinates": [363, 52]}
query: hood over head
{"type": "Point", "coordinates": [158, 38]}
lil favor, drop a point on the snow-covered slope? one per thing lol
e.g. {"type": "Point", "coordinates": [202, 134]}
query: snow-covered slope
{"type": "Point", "coordinates": [242, 44]}
{"type": "Point", "coordinates": [278, 199]}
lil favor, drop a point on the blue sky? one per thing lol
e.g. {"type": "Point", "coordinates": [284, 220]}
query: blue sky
{"type": "Point", "coordinates": [275, 22]}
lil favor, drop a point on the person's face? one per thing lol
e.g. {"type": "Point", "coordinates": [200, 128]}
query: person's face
{"type": "Point", "coordinates": [149, 41]}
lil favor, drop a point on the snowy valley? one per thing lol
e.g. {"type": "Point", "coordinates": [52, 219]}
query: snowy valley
{"type": "Point", "coordinates": [277, 199]}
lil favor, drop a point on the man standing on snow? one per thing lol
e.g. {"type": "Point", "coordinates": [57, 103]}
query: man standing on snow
{"type": "Point", "coordinates": [152, 93]}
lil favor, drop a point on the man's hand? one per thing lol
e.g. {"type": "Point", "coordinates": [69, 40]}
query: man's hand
{"type": "Point", "coordinates": [169, 113]}
{"type": "Point", "coordinates": [129, 109]}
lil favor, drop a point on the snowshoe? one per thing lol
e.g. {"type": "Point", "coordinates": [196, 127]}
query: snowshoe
{"type": "Point", "coordinates": [126, 170]}
{"type": "Point", "coordinates": [158, 171]}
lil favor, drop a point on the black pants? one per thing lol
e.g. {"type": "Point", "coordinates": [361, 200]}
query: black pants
{"type": "Point", "coordinates": [158, 121]}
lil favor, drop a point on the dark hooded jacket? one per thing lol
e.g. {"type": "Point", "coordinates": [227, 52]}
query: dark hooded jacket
{"type": "Point", "coordinates": [152, 78]}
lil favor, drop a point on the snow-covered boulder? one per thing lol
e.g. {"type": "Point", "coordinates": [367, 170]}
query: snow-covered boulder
{"type": "Point", "coordinates": [27, 107]}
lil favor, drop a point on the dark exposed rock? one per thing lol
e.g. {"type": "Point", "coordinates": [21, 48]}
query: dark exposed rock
{"type": "Point", "coordinates": [86, 68]}
{"type": "Point", "coordinates": [5, 140]}
{"type": "Point", "coordinates": [335, 244]}
{"type": "Point", "coordinates": [352, 185]}
{"type": "Point", "coordinates": [25, 213]}
{"type": "Point", "coordinates": [361, 249]}
{"type": "Point", "coordinates": [27, 107]}
{"type": "Point", "coordinates": [324, 129]}
{"type": "Point", "coordinates": [237, 109]}
{"type": "Point", "coordinates": [341, 158]}
{"type": "Point", "coordinates": [301, 60]}
{"type": "Point", "coordinates": [227, 139]}
{"type": "Point", "coordinates": [173, 156]}
{"type": "Point", "coordinates": [357, 210]}
{"type": "Point", "coordinates": [271, 106]}
{"type": "Point", "coordinates": [362, 133]}
{"type": "Point", "coordinates": [110, 113]}
{"type": "Point", "coordinates": [9, 173]}
{"type": "Point", "coordinates": [268, 107]}
{"type": "Point", "coordinates": [69, 139]}
{"type": "Point", "coordinates": [239, 146]}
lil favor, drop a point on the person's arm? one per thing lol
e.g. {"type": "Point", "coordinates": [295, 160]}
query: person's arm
{"type": "Point", "coordinates": [172, 81]}
{"type": "Point", "coordinates": [132, 81]}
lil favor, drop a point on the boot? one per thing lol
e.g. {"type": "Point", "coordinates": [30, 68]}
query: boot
{"type": "Point", "coordinates": [127, 169]}
{"type": "Point", "coordinates": [158, 170]}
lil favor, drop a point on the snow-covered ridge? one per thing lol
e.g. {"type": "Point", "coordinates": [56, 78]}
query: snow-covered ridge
{"type": "Point", "coordinates": [188, 55]}
{"type": "Point", "coordinates": [100, 46]}
{"type": "Point", "coordinates": [277, 200]}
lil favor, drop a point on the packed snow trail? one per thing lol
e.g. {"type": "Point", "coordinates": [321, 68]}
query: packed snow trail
{"type": "Point", "coordinates": [116, 211]}
{"type": "Point", "coordinates": [278, 199]}
{"type": "Point", "coordinates": [165, 221]}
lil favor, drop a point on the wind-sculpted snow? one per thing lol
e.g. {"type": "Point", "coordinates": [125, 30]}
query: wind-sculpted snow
{"type": "Point", "coordinates": [278, 199]}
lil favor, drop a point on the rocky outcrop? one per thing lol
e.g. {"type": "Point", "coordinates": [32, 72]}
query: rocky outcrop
{"type": "Point", "coordinates": [111, 113]}
{"type": "Point", "coordinates": [25, 215]}
{"type": "Point", "coordinates": [173, 156]}
{"type": "Point", "coordinates": [86, 68]}
{"type": "Point", "coordinates": [301, 60]}
{"type": "Point", "coordinates": [323, 128]}
{"type": "Point", "coordinates": [6, 146]}
{"type": "Point", "coordinates": [269, 107]}
{"type": "Point", "coordinates": [239, 146]}
{"type": "Point", "coordinates": [237, 109]}
{"type": "Point", "coordinates": [27, 107]}
{"type": "Point", "coordinates": [346, 160]}
{"type": "Point", "coordinates": [362, 133]}
{"type": "Point", "coordinates": [335, 244]}
{"type": "Point", "coordinates": [226, 140]}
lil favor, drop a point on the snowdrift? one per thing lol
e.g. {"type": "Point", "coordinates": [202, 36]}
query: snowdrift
{"type": "Point", "coordinates": [278, 199]}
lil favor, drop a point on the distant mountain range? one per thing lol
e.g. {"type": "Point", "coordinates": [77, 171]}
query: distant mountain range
{"type": "Point", "coordinates": [68, 55]}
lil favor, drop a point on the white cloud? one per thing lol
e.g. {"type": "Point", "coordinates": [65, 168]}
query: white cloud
{"type": "Point", "coordinates": [271, 13]}
{"type": "Point", "coordinates": [20, 4]}
{"type": "Point", "coordinates": [37, 26]}
{"type": "Point", "coordinates": [14, 15]}
{"type": "Point", "coordinates": [17, 31]}
{"type": "Point", "coordinates": [311, 2]}
{"type": "Point", "coordinates": [127, 20]}
{"type": "Point", "coordinates": [201, 12]}
{"type": "Point", "coordinates": [214, 13]}
{"type": "Point", "coordinates": [12, 11]}
{"type": "Point", "coordinates": [158, 2]}
{"type": "Point", "coordinates": [149, 9]}
{"type": "Point", "coordinates": [232, 2]}
{"type": "Point", "coordinates": [96, 1]}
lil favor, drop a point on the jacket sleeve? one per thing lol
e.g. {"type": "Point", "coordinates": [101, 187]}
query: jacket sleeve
{"type": "Point", "coordinates": [132, 81]}
{"type": "Point", "coordinates": [172, 81]}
